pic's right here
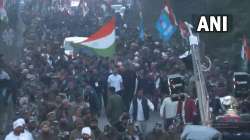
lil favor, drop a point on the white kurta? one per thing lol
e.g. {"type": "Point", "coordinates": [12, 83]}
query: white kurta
{"type": "Point", "coordinates": [11, 136]}
{"type": "Point", "coordinates": [140, 113]}
{"type": "Point", "coordinates": [26, 135]}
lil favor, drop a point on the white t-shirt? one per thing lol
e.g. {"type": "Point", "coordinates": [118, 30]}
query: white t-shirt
{"type": "Point", "coordinates": [115, 81]}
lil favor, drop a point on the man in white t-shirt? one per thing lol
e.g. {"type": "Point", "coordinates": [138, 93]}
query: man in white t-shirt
{"type": "Point", "coordinates": [115, 80]}
{"type": "Point", "coordinates": [168, 111]}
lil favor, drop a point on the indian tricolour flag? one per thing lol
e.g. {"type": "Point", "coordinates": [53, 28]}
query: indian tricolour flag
{"type": "Point", "coordinates": [103, 41]}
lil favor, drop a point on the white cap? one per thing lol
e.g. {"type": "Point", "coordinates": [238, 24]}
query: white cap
{"type": "Point", "coordinates": [25, 71]}
{"type": "Point", "coordinates": [156, 43]}
{"type": "Point", "coordinates": [136, 53]}
{"type": "Point", "coordinates": [21, 120]}
{"type": "Point", "coordinates": [228, 100]}
{"type": "Point", "coordinates": [86, 130]}
{"type": "Point", "coordinates": [119, 63]}
{"type": "Point", "coordinates": [17, 124]}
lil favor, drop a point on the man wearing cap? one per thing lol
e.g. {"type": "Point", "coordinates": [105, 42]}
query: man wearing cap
{"type": "Point", "coordinates": [16, 133]}
{"type": "Point", "coordinates": [86, 133]}
{"type": "Point", "coordinates": [26, 135]}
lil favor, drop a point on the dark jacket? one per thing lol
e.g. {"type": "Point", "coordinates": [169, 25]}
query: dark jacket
{"type": "Point", "coordinates": [144, 106]}
{"type": "Point", "coordinates": [129, 79]}
{"type": "Point", "coordinates": [95, 105]}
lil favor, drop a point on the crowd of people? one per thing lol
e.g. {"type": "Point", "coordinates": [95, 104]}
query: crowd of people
{"type": "Point", "coordinates": [61, 97]}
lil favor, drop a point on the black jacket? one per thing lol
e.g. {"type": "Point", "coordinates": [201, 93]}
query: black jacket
{"type": "Point", "coordinates": [144, 106]}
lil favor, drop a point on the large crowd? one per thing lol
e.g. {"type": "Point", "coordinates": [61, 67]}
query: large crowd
{"type": "Point", "coordinates": [61, 97]}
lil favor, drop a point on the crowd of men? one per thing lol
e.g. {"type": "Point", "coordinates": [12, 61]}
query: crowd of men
{"type": "Point", "coordinates": [60, 97]}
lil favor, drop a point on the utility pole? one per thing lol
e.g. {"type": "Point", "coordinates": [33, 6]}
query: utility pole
{"type": "Point", "coordinates": [202, 93]}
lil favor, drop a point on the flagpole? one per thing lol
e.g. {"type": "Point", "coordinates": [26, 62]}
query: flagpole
{"type": "Point", "coordinates": [202, 93]}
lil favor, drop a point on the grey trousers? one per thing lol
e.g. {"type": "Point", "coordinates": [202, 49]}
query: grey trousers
{"type": "Point", "coordinates": [142, 126]}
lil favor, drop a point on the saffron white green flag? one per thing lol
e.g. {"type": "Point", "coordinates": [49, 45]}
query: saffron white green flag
{"type": "Point", "coordinates": [103, 41]}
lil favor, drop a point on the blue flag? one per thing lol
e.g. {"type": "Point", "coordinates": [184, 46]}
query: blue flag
{"type": "Point", "coordinates": [165, 27]}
